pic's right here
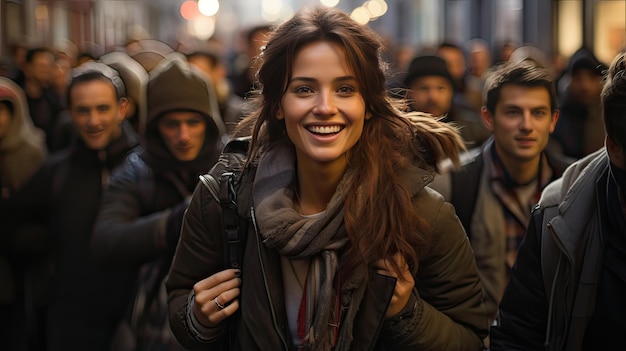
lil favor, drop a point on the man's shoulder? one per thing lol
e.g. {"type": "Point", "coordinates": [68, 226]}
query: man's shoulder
{"type": "Point", "coordinates": [578, 171]}
{"type": "Point", "coordinates": [449, 178]}
{"type": "Point", "coordinates": [472, 166]}
{"type": "Point", "coordinates": [232, 158]}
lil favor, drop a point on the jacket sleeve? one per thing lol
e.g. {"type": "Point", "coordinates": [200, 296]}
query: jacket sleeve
{"type": "Point", "coordinates": [524, 308]}
{"type": "Point", "coordinates": [199, 255]}
{"type": "Point", "coordinates": [122, 237]}
{"type": "Point", "coordinates": [447, 307]}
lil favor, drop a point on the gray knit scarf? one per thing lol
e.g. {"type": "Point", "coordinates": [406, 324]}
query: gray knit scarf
{"type": "Point", "coordinates": [296, 237]}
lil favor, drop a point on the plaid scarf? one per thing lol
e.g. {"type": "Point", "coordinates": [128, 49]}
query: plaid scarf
{"type": "Point", "coordinates": [319, 238]}
{"type": "Point", "coordinates": [517, 212]}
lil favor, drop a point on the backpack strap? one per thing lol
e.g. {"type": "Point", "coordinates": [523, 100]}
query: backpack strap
{"type": "Point", "coordinates": [230, 217]}
{"type": "Point", "coordinates": [224, 182]}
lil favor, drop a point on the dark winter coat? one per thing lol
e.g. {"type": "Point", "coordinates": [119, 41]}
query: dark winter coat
{"type": "Point", "coordinates": [63, 198]}
{"type": "Point", "coordinates": [550, 298]}
{"type": "Point", "coordinates": [445, 311]}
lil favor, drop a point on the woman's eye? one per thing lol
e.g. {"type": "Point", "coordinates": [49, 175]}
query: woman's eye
{"type": "Point", "coordinates": [346, 89]}
{"type": "Point", "coordinates": [303, 90]}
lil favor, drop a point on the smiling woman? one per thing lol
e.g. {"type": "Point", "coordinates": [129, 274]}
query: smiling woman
{"type": "Point", "coordinates": [323, 111]}
{"type": "Point", "coordinates": [337, 167]}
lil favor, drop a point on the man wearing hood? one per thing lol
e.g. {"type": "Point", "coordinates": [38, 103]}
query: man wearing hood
{"type": "Point", "coordinates": [22, 151]}
{"type": "Point", "coordinates": [580, 130]}
{"type": "Point", "coordinates": [84, 304]}
{"type": "Point", "coordinates": [22, 145]}
{"type": "Point", "coordinates": [142, 211]}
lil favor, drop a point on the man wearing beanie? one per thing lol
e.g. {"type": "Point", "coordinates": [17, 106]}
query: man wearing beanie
{"type": "Point", "coordinates": [430, 89]}
{"type": "Point", "coordinates": [142, 210]}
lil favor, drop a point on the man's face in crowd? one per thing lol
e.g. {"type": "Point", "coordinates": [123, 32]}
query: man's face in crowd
{"type": "Point", "coordinates": [183, 133]}
{"type": "Point", "coordinates": [586, 87]}
{"type": "Point", "coordinates": [521, 123]}
{"type": "Point", "coordinates": [41, 68]}
{"type": "Point", "coordinates": [96, 113]}
{"type": "Point", "coordinates": [431, 94]}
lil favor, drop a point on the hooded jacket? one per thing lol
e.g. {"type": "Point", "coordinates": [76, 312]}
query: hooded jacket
{"type": "Point", "coordinates": [141, 213]}
{"type": "Point", "coordinates": [22, 151]}
{"type": "Point", "coordinates": [580, 127]}
{"type": "Point", "coordinates": [132, 222]}
{"type": "Point", "coordinates": [23, 148]}
{"type": "Point", "coordinates": [63, 197]}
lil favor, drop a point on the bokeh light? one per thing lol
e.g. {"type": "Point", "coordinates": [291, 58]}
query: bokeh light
{"type": "Point", "coordinates": [208, 7]}
{"type": "Point", "coordinates": [360, 15]}
{"type": "Point", "coordinates": [329, 3]}
{"type": "Point", "coordinates": [202, 27]}
{"type": "Point", "coordinates": [189, 10]}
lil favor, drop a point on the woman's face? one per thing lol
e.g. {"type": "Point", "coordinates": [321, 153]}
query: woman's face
{"type": "Point", "coordinates": [323, 109]}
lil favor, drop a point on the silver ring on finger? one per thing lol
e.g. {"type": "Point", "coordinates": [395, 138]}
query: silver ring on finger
{"type": "Point", "coordinates": [218, 304]}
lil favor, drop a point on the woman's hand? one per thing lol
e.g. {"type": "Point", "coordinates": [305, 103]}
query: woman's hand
{"type": "Point", "coordinates": [404, 283]}
{"type": "Point", "coordinates": [215, 297]}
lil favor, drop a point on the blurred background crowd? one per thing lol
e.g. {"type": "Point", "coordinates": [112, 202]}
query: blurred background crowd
{"type": "Point", "coordinates": [459, 43]}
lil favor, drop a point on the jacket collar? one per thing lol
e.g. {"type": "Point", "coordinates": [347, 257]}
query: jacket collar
{"type": "Point", "coordinates": [579, 200]}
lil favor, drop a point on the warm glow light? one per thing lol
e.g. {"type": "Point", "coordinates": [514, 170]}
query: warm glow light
{"type": "Point", "coordinates": [373, 7]}
{"type": "Point", "coordinates": [360, 15]}
{"type": "Point", "coordinates": [202, 27]}
{"type": "Point", "coordinates": [41, 12]}
{"type": "Point", "coordinates": [329, 3]}
{"type": "Point", "coordinates": [377, 8]}
{"type": "Point", "coordinates": [208, 7]}
{"type": "Point", "coordinates": [189, 10]}
{"type": "Point", "coordinates": [270, 10]}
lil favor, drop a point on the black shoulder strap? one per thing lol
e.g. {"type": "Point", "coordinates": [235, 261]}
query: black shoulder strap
{"type": "Point", "coordinates": [232, 229]}
{"type": "Point", "coordinates": [234, 188]}
{"type": "Point", "coordinates": [465, 183]}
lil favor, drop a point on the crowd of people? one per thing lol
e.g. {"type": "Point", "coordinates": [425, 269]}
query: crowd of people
{"type": "Point", "coordinates": [458, 203]}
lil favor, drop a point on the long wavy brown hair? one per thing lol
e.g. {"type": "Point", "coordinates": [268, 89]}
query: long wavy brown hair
{"type": "Point", "coordinates": [381, 220]}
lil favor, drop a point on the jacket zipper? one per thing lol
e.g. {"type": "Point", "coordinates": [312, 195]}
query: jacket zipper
{"type": "Point", "coordinates": [569, 299]}
{"type": "Point", "coordinates": [267, 290]}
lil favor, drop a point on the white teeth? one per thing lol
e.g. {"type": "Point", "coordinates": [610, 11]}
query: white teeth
{"type": "Point", "coordinates": [325, 129]}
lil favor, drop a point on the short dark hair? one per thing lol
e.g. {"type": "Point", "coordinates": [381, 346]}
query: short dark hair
{"type": "Point", "coordinates": [523, 73]}
{"type": "Point", "coordinates": [613, 99]}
